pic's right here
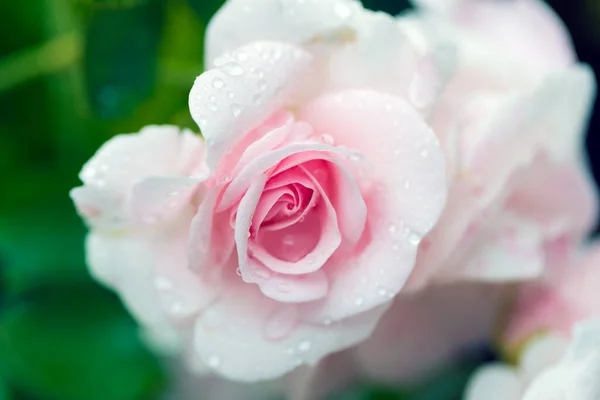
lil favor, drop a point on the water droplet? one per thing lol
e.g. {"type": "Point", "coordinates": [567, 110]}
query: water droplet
{"type": "Point", "coordinates": [212, 106]}
{"type": "Point", "coordinates": [327, 321]}
{"type": "Point", "coordinates": [238, 271]}
{"type": "Point", "coordinates": [393, 229]}
{"type": "Point", "coordinates": [291, 351]}
{"type": "Point", "coordinates": [162, 283]}
{"type": "Point", "coordinates": [218, 83]}
{"type": "Point", "coordinates": [424, 153]}
{"type": "Point", "coordinates": [342, 10]}
{"type": "Point", "coordinates": [284, 287]}
{"type": "Point", "coordinates": [414, 239]}
{"type": "Point", "coordinates": [356, 156]}
{"type": "Point", "coordinates": [407, 184]}
{"type": "Point", "coordinates": [173, 193]}
{"type": "Point", "coordinates": [382, 292]}
{"type": "Point", "coordinates": [231, 95]}
{"type": "Point", "coordinates": [304, 346]}
{"type": "Point", "coordinates": [177, 307]}
{"type": "Point", "coordinates": [289, 240]}
{"type": "Point", "coordinates": [241, 56]}
{"type": "Point", "coordinates": [214, 361]}
{"type": "Point", "coordinates": [236, 109]}
{"type": "Point", "coordinates": [262, 85]}
{"type": "Point", "coordinates": [359, 301]}
{"type": "Point", "coordinates": [256, 98]}
{"type": "Point", "coordinates": [327, 139]}
{"type": "Point", "coordinates": [260, 273]}
{"type": "Point", "coordinates": [232, 68]}
{"type": "Point", "coordinates": [281, 323]}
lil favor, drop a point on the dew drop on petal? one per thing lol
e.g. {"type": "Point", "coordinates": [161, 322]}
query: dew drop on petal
{"type": "Point", "coordinates": [327, 139]}
{"type": "Point", "coordinates": [284, 287]}
{"type": "Point", "coordinates": [163, 284]}
{"type": "Point", "coordinates": [414, 239]}
{"type": "Point", "coordinates": [304, 346]}
{"type": "Point", "coordinates": [342, 10]}
{"type": "Point", "coordinates": [232, 68]}
{"type": "Point", "coordinates": [214, 361]}
{"type": "Point", "coordinates": [218, 83]}
{"type": "Point", "coordinates": [359, 301]}
{"type": "Point", "coordinates": [236, 109]}
{"type": "Point", "coordinates": [281, 323]}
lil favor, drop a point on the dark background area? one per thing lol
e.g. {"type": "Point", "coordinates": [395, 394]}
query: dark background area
{"type": "Point", "coordinates": [73, 73]}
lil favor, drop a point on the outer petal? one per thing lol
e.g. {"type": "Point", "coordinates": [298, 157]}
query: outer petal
{"type": "Point", "coordinates": [240, 22]}
{"type": "Point", "coordinates": [126, 159]}
{"type": "Point", "coordinates": [404, 206]}
{"type": "Point", "coordinates": [127, 264]}
{"type": "Point", "coordinates": [245, 88]}
{"type": "Point", "coordinates": [258, 338]}
{"type": "Point", "coordinates": [495, 382]}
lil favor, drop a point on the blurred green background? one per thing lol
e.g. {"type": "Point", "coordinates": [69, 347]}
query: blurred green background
{"type": "Point", "coordinates": [73, 73]}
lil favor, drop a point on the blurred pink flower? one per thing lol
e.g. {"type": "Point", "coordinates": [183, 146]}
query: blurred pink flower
{"type": "Point", "coordinates": [554, 366]}
{"type": "Point", "coordinates": [511, 122]}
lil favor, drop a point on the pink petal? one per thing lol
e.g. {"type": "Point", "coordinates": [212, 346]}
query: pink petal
{"type": "Point", "coordinates": [244, 347]}
{"type": "Point", "coordinates": [408, 197]}
{"type": "Point", "coordinates": [230, 100]}
{"type": "Point", "coordinates": [258, 166]}
{"type": "Point", "coordinates": [295, 288]}
{"type": "Point", "coordinates": [321, 224]}
{"type": "Point", "coordinates": [211, 237]}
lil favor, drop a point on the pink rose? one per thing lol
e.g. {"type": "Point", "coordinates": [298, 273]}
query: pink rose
{"type": "Point", "coordinates": [322, 179]}
{"type": "Point", "coordinates": [511, 122]}
{"type": "Point", "coordinates": [556, 303]}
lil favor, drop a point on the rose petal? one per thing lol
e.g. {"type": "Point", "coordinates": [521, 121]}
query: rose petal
{"type": "Point", "coordinates": [409, 197]}
{"type": "Point", "coordinates": [243, 90]}
{"type": "Point", "coordinates": [250, 326]}
{"type": "Point", "coordinates": [157, 199]}
{"type": "Point", "coordinates": [243, 21]}
{"type": "Point", "coordinates": [329, 239]}
{"type": "Point", "coordinates": [211, 239]}
{"type": "Point", "coordinates": [495, 382]}
{"type": "Point", "coordinates": [295, 288]}
{"type": "Point", "coordinates": [125, 159]}
{"type": "Point", "coordinates": [127, 264]}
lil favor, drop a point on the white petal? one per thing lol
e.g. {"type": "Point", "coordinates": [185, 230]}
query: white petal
{"type": "Point", "coordinates": [243, 90]}
{"type": "Point", "coordinates": [495, 382]}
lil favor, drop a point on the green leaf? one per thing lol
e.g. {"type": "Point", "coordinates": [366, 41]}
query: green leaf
{"type": "Point", "coordinates": [114, 3]}
{"type": "Point", "coordinates": [4, 391]}
{"type": "Point", "coordinates": [370, 392]}
{"type": "Point", "coordinates": [73, 342]}
{"type": "Point", "coordinates": [121, 57]}
{"type": "Point", "coordinates": [206, 8]}
{"type": "Point", "coordinates": [389, 6]}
